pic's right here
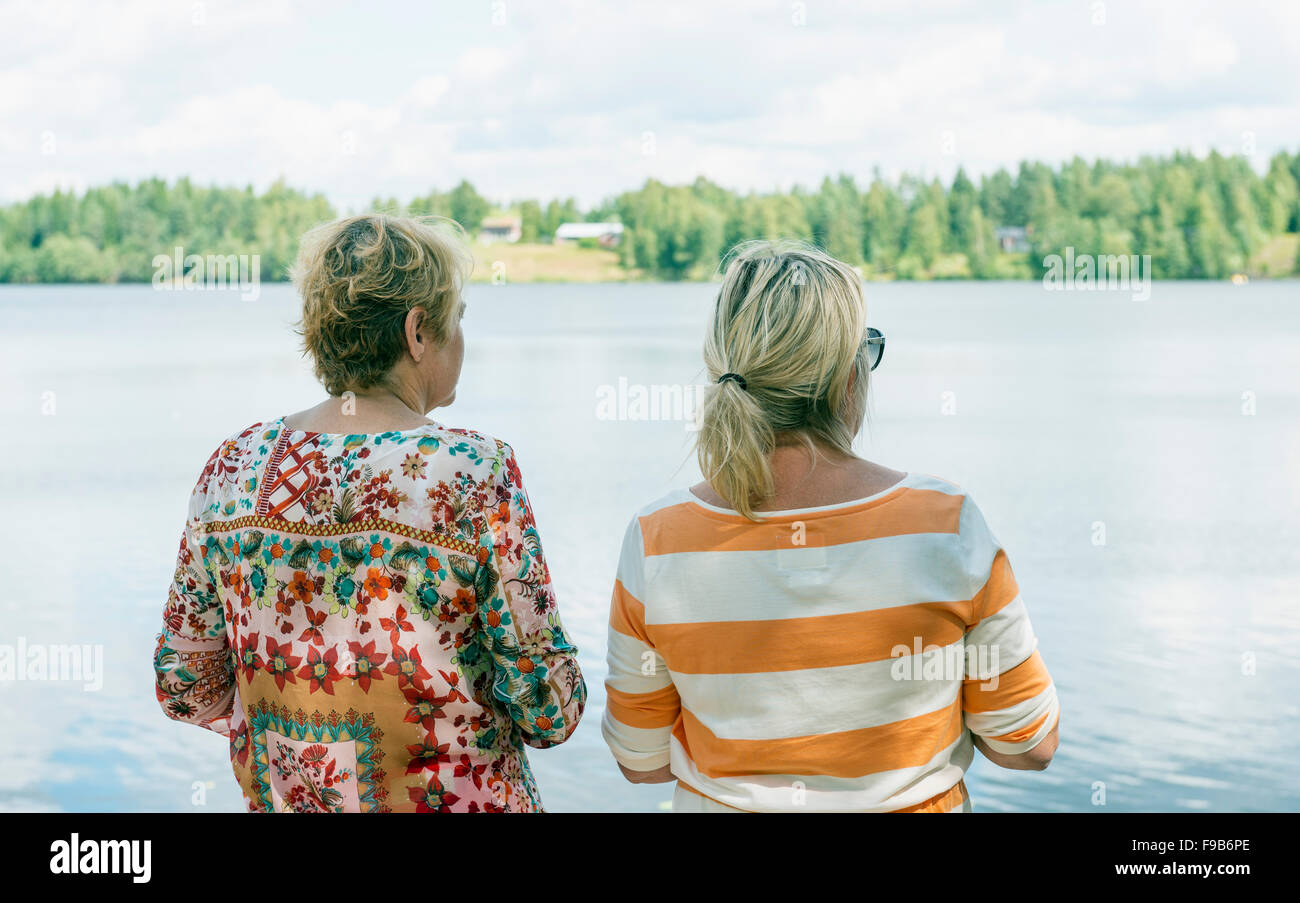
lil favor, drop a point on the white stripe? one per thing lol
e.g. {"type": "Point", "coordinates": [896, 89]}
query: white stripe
{"type": "Point", "coordinates": [1008, 634]}
{"type": "Point", "coordinates": [979, 547]}
{"type": "Point", "coordinates": [1015, 749]}
{"type": "Point", "coordinates": [933, 483]}
{"type": "Point", "coordinates": [1012, 718]}
{"type": "Point", "coordinates": [693, 587]}
{"type": "Point", "coordinates": [780, 704]}
{"type": "Point", "coordinates": [630, 561]}
{"type": "Point", "coordinates": [667, 500]}
{"type": "Point", "coordinates": [628, 659]}
{"type": "Point", "coordinates": [637, 748]}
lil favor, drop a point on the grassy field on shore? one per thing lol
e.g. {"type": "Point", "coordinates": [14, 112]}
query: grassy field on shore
{"type": "Point", "coordinates": [522, 262]}
{"type": "Point", "coordinates": [502, 262]}
{"type": "Point", "coordinates": [1277, 258]}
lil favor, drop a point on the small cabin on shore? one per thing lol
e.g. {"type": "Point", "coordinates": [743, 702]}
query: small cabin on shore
{"type": "Point", "coordinates": [500, 228]}
{"type": "Point", "coordinates": [607, 234]}
{"type": "Point", "coordinates": [1012, 239]}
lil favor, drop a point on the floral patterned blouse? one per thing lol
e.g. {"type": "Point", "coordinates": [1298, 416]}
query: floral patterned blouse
{"type": "Point", "coordinates": [370, 622]}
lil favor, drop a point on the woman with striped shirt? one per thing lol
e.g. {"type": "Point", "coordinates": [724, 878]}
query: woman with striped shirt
{"type": "Point", "coordinates": [807, 630]}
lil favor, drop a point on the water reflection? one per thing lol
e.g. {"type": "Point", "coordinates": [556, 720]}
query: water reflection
{"type": "Point", "coordinates": [1172, 642]}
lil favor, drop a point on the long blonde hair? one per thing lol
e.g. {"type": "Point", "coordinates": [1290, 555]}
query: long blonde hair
{"type": "Point", "coordinates": [788, 332]}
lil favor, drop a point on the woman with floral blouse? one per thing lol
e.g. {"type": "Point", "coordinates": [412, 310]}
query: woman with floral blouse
{"type": "Point", "coordinates": [361, 605]}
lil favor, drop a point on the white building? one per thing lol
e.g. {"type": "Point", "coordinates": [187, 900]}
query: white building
{"type": "Point", "coordinates": [608, 234]}
{"type": "Point", "coordinates": [500, 228]}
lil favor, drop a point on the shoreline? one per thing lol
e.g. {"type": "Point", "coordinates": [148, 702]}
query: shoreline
{"type": "Point", "coordinates": [566, 264]}
{"type": "Point", "coordinates": [960, 280]}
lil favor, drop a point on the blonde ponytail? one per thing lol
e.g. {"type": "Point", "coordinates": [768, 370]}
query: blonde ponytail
{"type": "Point", "coordinates": [733, 443]}
{"type": "Point", "coordinates": [786, 341]}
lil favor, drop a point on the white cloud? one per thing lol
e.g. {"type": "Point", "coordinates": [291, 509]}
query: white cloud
{"type": "Point", "coordinates": [398, 100]}
{"type": "Point", "coordinates": [429, 90]}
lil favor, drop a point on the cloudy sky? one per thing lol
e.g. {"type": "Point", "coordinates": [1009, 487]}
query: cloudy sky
{"type": "Point", "coordinates": [579, 98]}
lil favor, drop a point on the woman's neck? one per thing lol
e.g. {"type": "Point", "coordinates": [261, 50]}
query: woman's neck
{"type": "Point", "coordinates": [811, 478]}
{"type": "Point", "coordinates": [374, 411]}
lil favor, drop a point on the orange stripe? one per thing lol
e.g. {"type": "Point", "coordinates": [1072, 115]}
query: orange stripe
{"type": "Point", "coordinates": [658, 708]}
{"type": "Point", "coordinates": [999, 591]}
{"type": "Point", "coordinates": [689, 528]}
{"type": "Point", "coordinates": [1027, 732]}
{"type": "Point", "coordinates": [790, 644]}
{"type": "Point", "coordinates": [950, 799]}
{"type": "Point", "coordinates": [627, 614]}
{"type": "Point", "coordinates": [947, 801]}
{"type": "Point", "coordinates": [1025, 681]}
{"type": "Point", "coordinates": [842, 754]}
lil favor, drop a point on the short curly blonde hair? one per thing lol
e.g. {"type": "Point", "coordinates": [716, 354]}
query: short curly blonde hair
{"type": "Point", "coordinates": [360, 276]}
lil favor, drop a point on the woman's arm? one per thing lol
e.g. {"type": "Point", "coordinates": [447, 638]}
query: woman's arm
{"type": "Point", "coordinates": [1035, 759]}
{"type": "Point", "coordinates": [659, 776]}
{"type": "Point", "coordinates": [537, 676]}
{"type": "Point", "coordinates": [1009, 701]}
{"type": "Point", "coordinates": [193, 671]}
{"type": "Point", "coordinates": [641, 702]}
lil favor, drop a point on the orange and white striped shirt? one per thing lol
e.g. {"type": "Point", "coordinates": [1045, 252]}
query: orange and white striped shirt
{"type": "Point", "coordinates": [826, 659]}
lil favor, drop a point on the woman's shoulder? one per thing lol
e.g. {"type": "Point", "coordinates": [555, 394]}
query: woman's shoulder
{"type": "Point", "coordinates": [967, 519]}
{"type": "Point", "coordinates": [462, 439]}
{"type": "Point", "coordinates": [927, 482]}
{"type": "Point", "coordinates": [668, 506]}
{"type": "Point", "coordinates": [452, 450]}
{"type": "Point", "coordinates": [974, 542]}
{"type": "Point", "coordinates": [674, 513]}
{"type": "Point", "coordinates": [227, 472]}
{"type": "Point", "coordinates": [248, 436]}
{"type": "Point", "coordinates": [238, 449]}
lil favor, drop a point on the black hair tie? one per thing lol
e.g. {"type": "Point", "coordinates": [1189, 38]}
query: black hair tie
{"type": "Point", "coordinates": [734, 377]}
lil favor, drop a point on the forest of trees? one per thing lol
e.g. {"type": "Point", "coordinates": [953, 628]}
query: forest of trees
{"type": "Point", "coordinates": [1203, 218]}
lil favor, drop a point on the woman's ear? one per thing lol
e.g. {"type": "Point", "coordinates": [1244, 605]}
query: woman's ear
{"type": "Point", "coordinates": [416, 333]}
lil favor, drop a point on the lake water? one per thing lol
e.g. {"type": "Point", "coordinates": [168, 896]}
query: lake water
{"type": "Point", "coordinates": [1140, 461]}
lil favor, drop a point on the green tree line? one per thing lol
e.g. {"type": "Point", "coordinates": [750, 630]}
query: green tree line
{"type": "Point", "coordinates": [1204, 217]}
{"type": "Point", "coordinates": [1197, 218]}
{"type": "Point", "coordinates": [113, 233]}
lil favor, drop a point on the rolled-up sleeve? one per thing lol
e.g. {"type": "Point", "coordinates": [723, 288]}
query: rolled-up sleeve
{"type": "Point", "coordinates": [641, 703]}
{"type": "Point", "coordinates": [1008, 697]}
